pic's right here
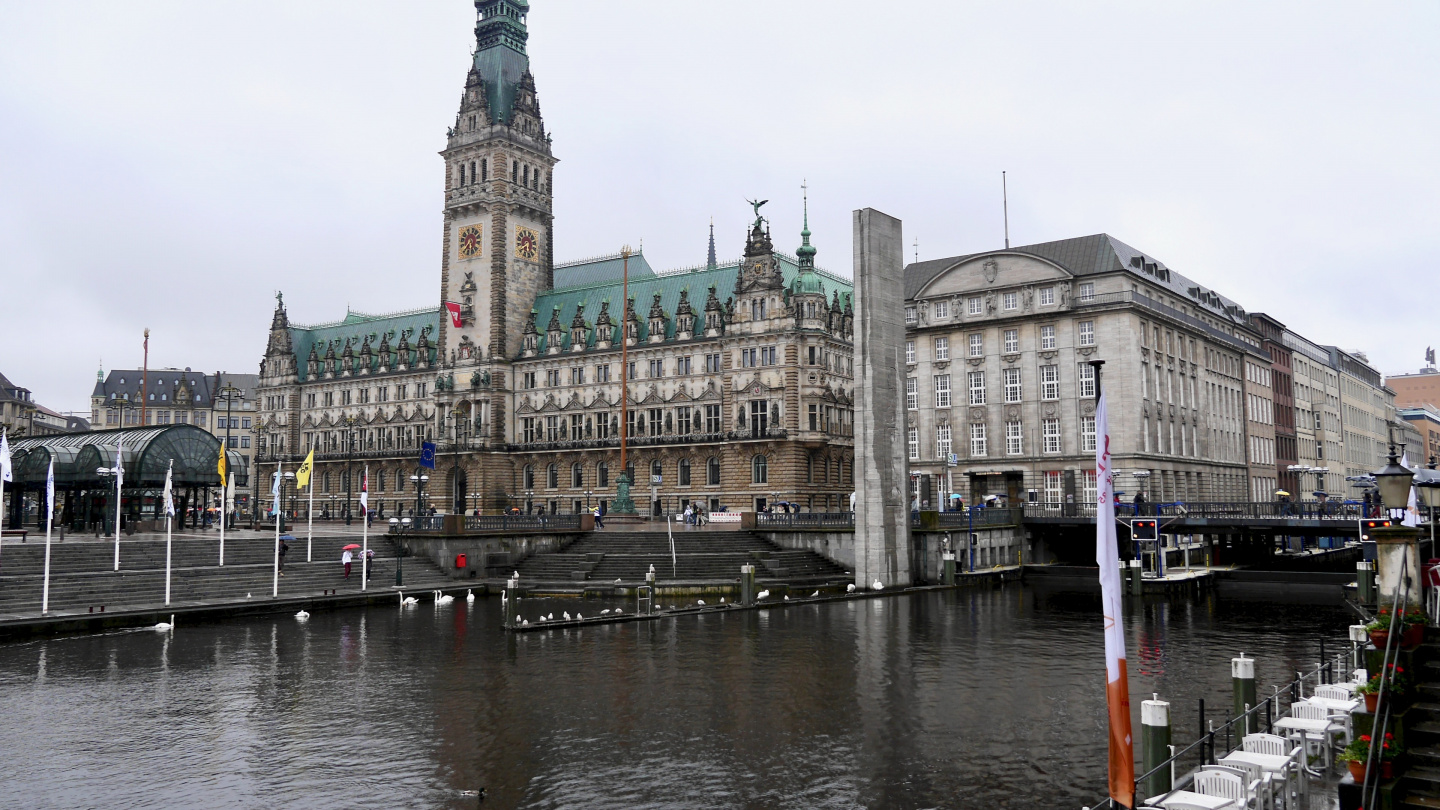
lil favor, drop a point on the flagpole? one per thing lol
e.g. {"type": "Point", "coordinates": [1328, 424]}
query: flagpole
{"type": "Point", "coordinates": [119, 482]}
{"type": "Point", "coordinates": [310, 518]}
{"type": "Point", "coordinates": [4, 475]}
{"type": "Point", "coordinates": [224, 513]}
{"type": "Point", "coordinates": [169, 518]}
{"type": "Point", "coordinates": [49, 520]}
{"type": "Point", "coordinates": [279, 482]}
{"type": "Point", "coordinates": [365, 528]}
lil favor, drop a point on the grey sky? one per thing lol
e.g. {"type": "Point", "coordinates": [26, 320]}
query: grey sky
{"type": "Point", "coordinates": [171, 164]}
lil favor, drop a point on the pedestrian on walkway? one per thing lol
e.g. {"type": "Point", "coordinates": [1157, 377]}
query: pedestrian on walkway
{"type": "Point", "coordinates": [369, 563]}
{"type": "Point", "coordinates": [347, 558]}
{"type": "Point", "coordinates": [599, 518]}
{"type": "Point", "coordinates": [284, 548]}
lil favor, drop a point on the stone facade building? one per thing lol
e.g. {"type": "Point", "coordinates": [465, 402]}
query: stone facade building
{"type": "Point", "coordinates": [1416, 390]}
{"type": "Point", "coordinates": [740, 375]}
{"type": "Point", "coordinates": [1001, 396]}
{"type": "Point", "coordinates": [1319, 437]}
{"type": "Point", "coordinates": [1282, 374]}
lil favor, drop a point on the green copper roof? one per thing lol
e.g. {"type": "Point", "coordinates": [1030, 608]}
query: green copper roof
{"type": "Point", "coordinates": [600, 270]}
{"type": "Point", "coordinates": [355, 327]}
{"type": "Point", "coordinates": [500, 58]}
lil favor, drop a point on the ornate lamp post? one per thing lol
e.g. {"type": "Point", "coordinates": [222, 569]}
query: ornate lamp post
{"type": "Point", "coordinates": [1394, 483]}
{"type": "Point", "coordinates": [349, 453]}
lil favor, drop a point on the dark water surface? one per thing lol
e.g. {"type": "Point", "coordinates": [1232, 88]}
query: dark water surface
{"type": "Point", "coordinates": [982, 698]}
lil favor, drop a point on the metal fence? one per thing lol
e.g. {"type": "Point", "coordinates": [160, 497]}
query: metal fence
{"type": "Point", "coordinates": [1237, 510]}
{"type": "Point", "coordinates": [494, 523]}
{"type": "Point", "coordinates": [806, 520]}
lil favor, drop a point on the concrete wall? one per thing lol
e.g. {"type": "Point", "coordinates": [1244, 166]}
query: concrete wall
{"type": "Point", "coordinates": [443, 550]}
{"type": "Point", "coordinates": [1000, 545]}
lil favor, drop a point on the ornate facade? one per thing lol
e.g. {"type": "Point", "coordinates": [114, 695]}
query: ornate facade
{"type": "Point", "coordinates": [739, 375]}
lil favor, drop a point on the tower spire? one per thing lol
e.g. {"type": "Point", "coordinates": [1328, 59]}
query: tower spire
{"type": "Point", "coordinates": [710, 263]}
{"type": "Point", "coordinates": [805, 253]}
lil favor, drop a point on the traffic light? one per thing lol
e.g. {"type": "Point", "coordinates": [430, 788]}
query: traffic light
{"type": "Point", "coordinates": [1145, 529]}
{"type": "Point", "coordinates": [1367, 525]}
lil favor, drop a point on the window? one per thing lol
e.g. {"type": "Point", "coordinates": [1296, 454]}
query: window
{"type": "Point", "coordinates": [683, 425]}
{"type": "Point", "coordinates": [976, 306]}
{"type": "Point", "coordinates": [577, 375]}
{"type": "Point", "coordinates": [577, 475]}
{"type": "Point", "coordinates": [1012, 341]}
{"type": "Point", "coordinates": [942, 390]}
{"type": "Point", "coordinates": [245, 423]}
{"type": "Point", "coordinates": [1047, 337]}
{"type": "Point", "coordinates": [815, 417]}
{"type": "Point", "coordinates": [1011, 301]}
{"type": "Point", "coordinates": [1012, 385]}
{"type": "Point", "coordinates": [977, 387]}
{"type": "Point", "coordinates": [1087, 333]}
{"type": "Point", "coordinates": [656, 417]}
{"type": "Point", "coordinates": [602, 475]}
{"type": "Point", "coordinates": [767, 355]}
{"type": "Point", "coordinates": [552, 476]}
{"type": "Point", "coordinates": [1087, 434]}
{"type": "Point", "coordinates": [1087, 381]}
{"type": "Point", "coordinates": [602, 374]}
{"type": "Point", "coordinates": [757, 309]}
{"type": "Point", "coordinates": [749, 358]}
{"type": "Point", "coordinates": [1047, 296]}
{"type": "Point", "coordinates": [942, 309]}
{"type": "Point", "coordinates": [1050, 431]}
{"type": "Point", "coordinates": [1014, 439]}
{"type": "Point", "coordinates": [977, 345]}
{"type": "Point", "coordinates": [942, 348]}
{"type": "Point", "coordinates": [1050, 382]}
{"type": "Point", "coordinates": [682, 365]}
{"type": "Point", "coordinates": [1052, 486]}
{"type": "Point", "coordinates": [1087, 293]}
{"type": "Point", "coordinates": [759, 470]}
{"type": "Point", "coordinates": [552, 429]}
{"type": "Point", "coordinates": [683, 471]}
{"type": "Point", "coordinates": [978, 448]}
{"type": "Point", "coordinates": [657, 368]}
{"type": "Point", "coordinates": [529, 478]}
{"type": "Point", "coordinates": [630, 370]}
{"type": "Point", "coordinates": [577, 427]}
{"type": "Point", "coordinates": [912, 395]}
{"type": "Point", "coordinates": [909, 351]}
{"type": "Point", "coordinates": [712, 471]}
{"type": "Point", "coordinates": [910, 316]}
{"type": "Point", "coordinates": [759, 417]}
{"type": "Point", "coordinates": [1091, 493]}
{"type": "Point", "coordinates": [912, 443]}
{"type": "Point", "coordinates": [552, 378]}
{"type": "Point", "coordinates": [656, 471]}
{"type": "Point", "coordinates": [942, 442]}
{"type": "Point", "coordinates": [712, 363]}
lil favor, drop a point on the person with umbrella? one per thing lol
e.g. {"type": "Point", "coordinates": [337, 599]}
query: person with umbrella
{"type": "Point", "coordinates": [347, 556]}
{"type": "Point", "coordinates": [284, 547]}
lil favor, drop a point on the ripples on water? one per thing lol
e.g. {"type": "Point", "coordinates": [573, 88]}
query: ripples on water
{"type": "Point", "coordinates": [983, 698]}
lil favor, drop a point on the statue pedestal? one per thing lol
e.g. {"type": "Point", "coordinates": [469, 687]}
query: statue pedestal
{"type": "Point", "coordinates": [622, 509]}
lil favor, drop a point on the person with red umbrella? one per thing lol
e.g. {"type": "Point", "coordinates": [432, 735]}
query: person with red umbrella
{"type": "Point", "coordinates": [348, 557]}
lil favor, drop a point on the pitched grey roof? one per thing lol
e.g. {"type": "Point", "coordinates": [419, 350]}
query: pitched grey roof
{"type": "Point", "coordinates": [1088, 256]}
{"type": "Point", "coordinates": [163, 383]}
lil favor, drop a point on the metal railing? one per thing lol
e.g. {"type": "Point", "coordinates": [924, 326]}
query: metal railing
{"type": "Point", "coordinates": [1237, 510]}
{"type": "Point", "coordinates": [493, 523]}
{"type": "Point", "coordinates": [975, 516]}
{"type": "Point", "coordinates": [806, 520]}
{"type": "Point", "coordinates": [1215, 741]}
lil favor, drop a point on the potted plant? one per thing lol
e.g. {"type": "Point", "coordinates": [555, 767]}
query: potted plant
{"type": "Point", "coordinates": [1379, 629]}
{"type": "Point", "coordinates": [1414, 633]}
{"type": "Point", "coordinates": [1396, 687]}
{"type": "Point", "coordinates": [1357, 754]}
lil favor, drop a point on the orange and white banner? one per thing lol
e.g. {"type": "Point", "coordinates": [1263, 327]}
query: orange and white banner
{"type": "Point", "coordinates": [1107, 556]}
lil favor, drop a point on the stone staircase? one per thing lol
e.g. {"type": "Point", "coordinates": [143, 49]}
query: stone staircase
{"type": "Point", "coordinates": [82, 579]}
{"type": "Point", "coordinates": [612, 554]}
{"type": "Point", "coordinates": [1420, 782]}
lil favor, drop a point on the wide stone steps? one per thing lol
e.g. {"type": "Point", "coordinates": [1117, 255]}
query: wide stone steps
{"type": "Point", "coordinates": [698, 555]}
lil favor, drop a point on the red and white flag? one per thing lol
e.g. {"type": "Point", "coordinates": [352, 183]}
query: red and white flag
{"type": "Point", "coordinates": [454, 310]}
{"type": "Point", "coordinates": [365, 492]}
{"type": "Point", "coordinates": [1107, 556]}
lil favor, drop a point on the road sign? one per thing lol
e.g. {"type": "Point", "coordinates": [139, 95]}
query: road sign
{"type": "Point", "coordinates": [654, 480]}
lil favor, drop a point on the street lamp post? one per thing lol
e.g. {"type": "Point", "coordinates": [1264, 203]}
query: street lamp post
{"type": "Point", "coordinates": [349, 454]}
{"type": "Point", "coordinates": [228, 393]}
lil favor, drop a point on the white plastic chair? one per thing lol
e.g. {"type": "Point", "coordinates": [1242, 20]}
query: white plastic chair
{"type": "Point", "coordinates": [1323, 741]}
{"type": "Point", "coordinates": [1256, 781]}
{"type": "Point", "coordinates": [1224, 785]}
{"type": "Point", "coordinates": [1277, 746]}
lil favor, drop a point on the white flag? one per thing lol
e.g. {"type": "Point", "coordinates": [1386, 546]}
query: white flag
{"type": "Point", "coordinates": [50, 486]}
{"type": "Point", "coordinates": [1412, 508]}
{"type": "Point", "coordinates": [365, 492]}
{"type": "Point", "coordinates": [119, 465]}
{"type": "Point", "coordinates": [275, 493]}
{"type": "Point", "coordinates": [5, 457]}
{"type": "Point", "coordinates": [1107, 555]}
{"type": "Point", "coordinates": [169, 496]}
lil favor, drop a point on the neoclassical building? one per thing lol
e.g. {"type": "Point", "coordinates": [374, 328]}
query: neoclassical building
{"type": "Point", "coordinates": [739, 374]}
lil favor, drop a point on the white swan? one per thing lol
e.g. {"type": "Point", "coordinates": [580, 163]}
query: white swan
{"type": "Point", "coordinates": [762, 594]}
{"type": "Point", "coordinates": [443, 598]}
{"type": "Point", "coordinates": [551, 617]}
{"type": "Point", "coordinates": [700, 602]}
{"type": "Point", "coordinates": [578, 617]}
{"type": "Point", "coordinates": [850, 588]}
{"type": "Point", "coordinates": [787, 597]}
{"type": "Point", "coordinates": [815, 594]}
{"type": "Point", "coordinates": [302, 616]}
{"type": "Point", "coordinates": [541, 619]}
{"type": "Point", "coordinates": [617, 580]}
{"type": "Point", "coordinates": [566, 615]}
{"type": "Point", "coordinates": [165, 627]}
{"type": "Point", "coordinates": [605, 612]}
{"type": "Point", "coordinates": [878, 585]}
{"type": "Point", "coordinates": [469, 595]}
{"type": "Point", "coordinates": [408, 600]}
{"type": "Point", "coordinates": [525, 623]}
{"type": "Point", "coordinates": [722, 600]}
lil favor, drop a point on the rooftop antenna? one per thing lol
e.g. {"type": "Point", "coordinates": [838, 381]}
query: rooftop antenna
{"type": "Point", "coordinates": [917, 249]}
{"type": "Point", "coordinates": [1005, 198]}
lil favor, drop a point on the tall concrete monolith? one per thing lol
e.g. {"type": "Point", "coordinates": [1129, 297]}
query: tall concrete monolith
{"type": "Point", "coordinates": [882, 525]}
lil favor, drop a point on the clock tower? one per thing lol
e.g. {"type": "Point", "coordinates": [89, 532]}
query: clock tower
{"type": "Point", "coordinates": [498, 217]}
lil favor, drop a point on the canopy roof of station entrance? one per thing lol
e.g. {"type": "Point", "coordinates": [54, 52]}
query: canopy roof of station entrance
{"type": "Point", "coordinates": [145, 452]}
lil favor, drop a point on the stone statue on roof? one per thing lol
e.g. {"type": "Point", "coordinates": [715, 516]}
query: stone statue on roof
{"type": "Point", "coordinates": [759, 220]}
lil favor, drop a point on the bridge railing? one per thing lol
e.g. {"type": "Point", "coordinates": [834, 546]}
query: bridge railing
{"type": "Point", "coordinates": [488, 523]}
{"type": "Point", "coordinates": [806, 520]}
{"type": "Point", "coordinates": [1235, 510]}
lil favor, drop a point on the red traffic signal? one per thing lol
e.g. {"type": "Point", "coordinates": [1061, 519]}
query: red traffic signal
{"type": "Point", "coordinates": [1367, 525]}
{"type": "Point", "coordinates": [1145, 529]}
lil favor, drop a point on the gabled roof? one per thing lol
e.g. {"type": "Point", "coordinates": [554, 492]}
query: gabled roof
{"type": "Point", "coordinates": [161, 384]}
{"type": "Point", "coordinates": [355, 326]}
{"type": "Point", "coordinates": [1093, 255]}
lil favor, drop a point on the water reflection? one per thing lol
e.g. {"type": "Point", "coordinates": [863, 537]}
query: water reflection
{"type": "Point", "coordinates": [954, 699]}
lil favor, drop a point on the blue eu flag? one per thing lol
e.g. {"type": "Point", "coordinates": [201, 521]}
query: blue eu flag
{"type": "Point", "coordinates": [427, 455]}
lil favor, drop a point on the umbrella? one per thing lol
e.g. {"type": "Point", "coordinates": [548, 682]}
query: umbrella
{"type": "Point", "coordinates": [1282, 492]}
{"type": "Point", "coordinates": [287, 537]}
{"type": "Point", "coordinates": [955, 496]}
{"type": "Point", "coordinates": [351, 547]}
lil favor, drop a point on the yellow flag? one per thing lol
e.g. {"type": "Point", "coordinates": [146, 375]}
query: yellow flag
{"type": "Point", "coordinates": [302, 475]}
{"type": "Point", "coordinates": [220, 467]}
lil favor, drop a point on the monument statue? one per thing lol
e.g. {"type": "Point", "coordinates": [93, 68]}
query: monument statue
{"type": "Point", "coordinates": [759, 220]}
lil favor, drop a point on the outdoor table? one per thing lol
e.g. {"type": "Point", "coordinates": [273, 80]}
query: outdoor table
{"type": "Point", "coordinates": [1300, 726]}
{"type": "Point", "coordinates": [1197, 800]}
{"type": "Point", "coordinates": [1271, 763]}
{"type": "Point", "coordinates": [1337, 706]}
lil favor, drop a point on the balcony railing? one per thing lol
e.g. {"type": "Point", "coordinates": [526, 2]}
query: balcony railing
{"type": "Point", "coordinates": [652, 441]}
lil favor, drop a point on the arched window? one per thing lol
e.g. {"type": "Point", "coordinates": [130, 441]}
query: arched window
{"type": "Point", "coordinates": [552, 476]}
{"type": "Point", "coordinates": [656, 468]}
{"type": "Point", "coordinates": [327, 482]}
{"type": "Point", "coordinates": [684, 470]}
{"type": "Point", "coordinates": [759, 470]}
{"type": "Point", "coordinates": [603, 473]}
{"type": "Point", "coordinates": [484, 170]}
{"type": "Point", "coordinates": [712, 471]}
{"type": "Point", "coordinates": [529, 477]}
{"type": "Point", "coordinates": [577, 475]}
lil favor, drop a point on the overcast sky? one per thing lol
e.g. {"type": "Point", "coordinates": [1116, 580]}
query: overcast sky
{"type": "Point", "coordinates": [171, 164]}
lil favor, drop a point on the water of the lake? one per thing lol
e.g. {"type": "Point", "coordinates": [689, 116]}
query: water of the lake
{"type": "Point", "coordinates": [974, 698]}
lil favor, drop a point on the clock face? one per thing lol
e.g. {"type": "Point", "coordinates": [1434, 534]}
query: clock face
{"type": "Point", "coordinates": [469, 241]}
{"type": "Point", "coordinates": [527, 245]}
